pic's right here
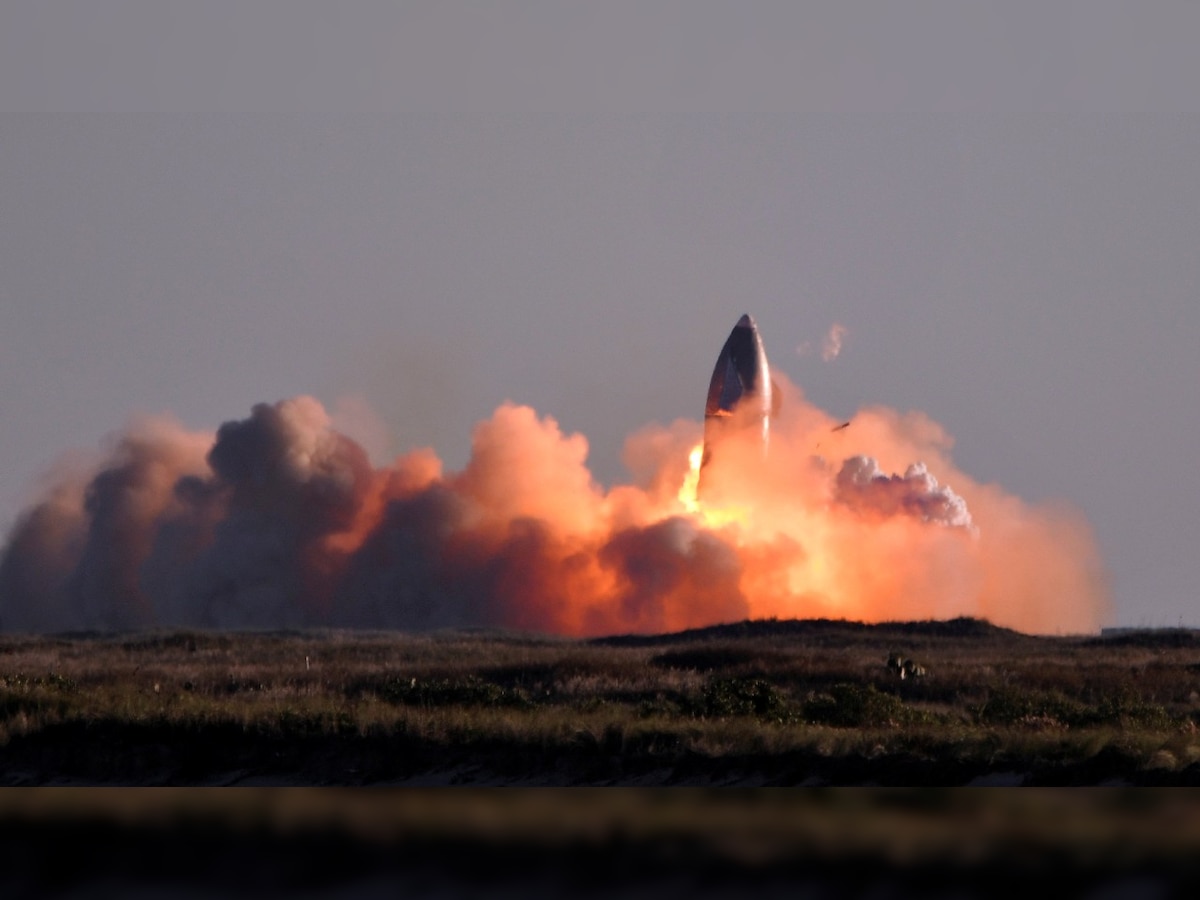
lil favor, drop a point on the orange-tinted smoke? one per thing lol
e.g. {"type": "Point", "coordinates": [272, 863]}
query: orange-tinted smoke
{"type": "Point", "coordinates": [278, 520]}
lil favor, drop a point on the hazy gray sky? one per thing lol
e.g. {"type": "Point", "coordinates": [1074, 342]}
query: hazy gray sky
{"type": "Point", "coordinates": [434, 211]}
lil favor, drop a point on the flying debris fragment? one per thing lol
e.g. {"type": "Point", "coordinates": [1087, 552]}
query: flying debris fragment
{"type": "Point", "coordinates": [740, 394]}
{"type": "Point", "coordinates": [834, 430]}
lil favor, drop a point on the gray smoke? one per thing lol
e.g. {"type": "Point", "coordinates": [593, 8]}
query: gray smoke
{"type": "Point", "coordinates": [280, 521]}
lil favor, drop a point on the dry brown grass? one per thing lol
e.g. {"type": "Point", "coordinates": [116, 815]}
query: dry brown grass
{"type": "Point", "coordinates": [781, 702]}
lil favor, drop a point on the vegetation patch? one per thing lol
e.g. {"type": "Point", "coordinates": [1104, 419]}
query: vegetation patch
{"type": "Point", "coordinates": [1042, 709]}
{"type": "Point", "coordinates": [757, 702]}
{"type": "Point", "coordinates": [857, 706]}
{"type": "Point", "coordinates": [443, 692]}
{"type": "Point", "coordinates": [753, 697]}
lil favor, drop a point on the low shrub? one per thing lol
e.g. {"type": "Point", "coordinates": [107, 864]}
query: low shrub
{"type": "Point", "coordinates": [1016, 706]}
{"type": "Point", "coordinates": [856, 706]}
{"type": "Point", "coordinates": [755, 697]}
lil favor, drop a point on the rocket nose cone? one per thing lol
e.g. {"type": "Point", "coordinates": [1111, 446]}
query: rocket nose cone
{"type": "Point", "coordinates": [746, 321]}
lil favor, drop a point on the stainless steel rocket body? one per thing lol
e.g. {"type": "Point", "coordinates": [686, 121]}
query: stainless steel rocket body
{"type": "Point", "coordinates": [740, 393]}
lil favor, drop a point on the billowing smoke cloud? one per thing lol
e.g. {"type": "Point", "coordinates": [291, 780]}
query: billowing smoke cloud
{"type": "Point", "coordinates": [279, 520]}
{"type": "Point", "coordinates": [831, 344]}
{"type": "Point", "coordinates": [862, 485]}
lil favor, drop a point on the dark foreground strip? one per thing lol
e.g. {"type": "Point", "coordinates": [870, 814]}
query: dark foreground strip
{"type": "Point", "coordinates": [83, 842]}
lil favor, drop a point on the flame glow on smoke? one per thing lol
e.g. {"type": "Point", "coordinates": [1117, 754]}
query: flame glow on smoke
{"type": "Point", "coordinates": [278, 520]}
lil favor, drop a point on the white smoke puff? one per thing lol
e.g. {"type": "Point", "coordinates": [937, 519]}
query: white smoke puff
{"type": "Point", "coordinates": [831, 344]}
{"type": "Point", "coordinates": [862, 486]}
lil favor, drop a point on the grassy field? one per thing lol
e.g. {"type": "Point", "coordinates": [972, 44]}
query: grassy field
{"type": "Point", "coordinates": [797, 702]}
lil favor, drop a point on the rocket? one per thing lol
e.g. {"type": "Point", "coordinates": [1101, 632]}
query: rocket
{"type": "Point", "coordinates": [740, 393]}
